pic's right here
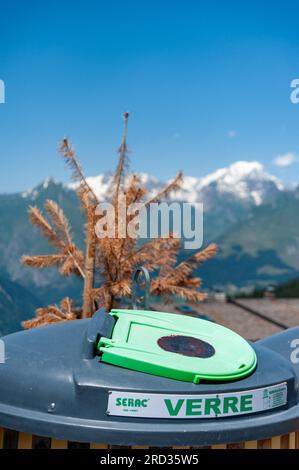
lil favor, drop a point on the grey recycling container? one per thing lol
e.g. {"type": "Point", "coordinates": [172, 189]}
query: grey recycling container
{"type": "Point", "coordinates": [56, 391]}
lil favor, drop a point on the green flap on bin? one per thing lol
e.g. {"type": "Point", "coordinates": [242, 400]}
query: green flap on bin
{"type": "Point", "coordinates": [176, 346]}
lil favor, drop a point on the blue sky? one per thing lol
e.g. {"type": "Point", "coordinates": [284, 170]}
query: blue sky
{"type": "Point", "coordinates": [206, 83]}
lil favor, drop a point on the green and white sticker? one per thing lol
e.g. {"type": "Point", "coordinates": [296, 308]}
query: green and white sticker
{"type": "Point", "coordinates": [156, 405]}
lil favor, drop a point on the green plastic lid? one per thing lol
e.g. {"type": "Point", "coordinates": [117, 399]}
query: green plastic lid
{"type": "Point", "coordinates": [176, 346]}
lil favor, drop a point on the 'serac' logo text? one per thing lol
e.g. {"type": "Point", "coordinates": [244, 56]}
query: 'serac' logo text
{"type": "Point", "coordinates": [132, 402]}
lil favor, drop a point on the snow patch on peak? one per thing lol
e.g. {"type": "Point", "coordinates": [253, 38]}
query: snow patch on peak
{"type": "Point", "coordinates": [47, 181]}
{"type": "Point", "coordinates": [246, 180]}
{"type": "Point", "coordinates": [237, 172]}
{"type": "Point", "coordinates": [30, 193]}
{"type": "Point", "coordinates": [257, 198]}
{"type": "Point", "coordinates": [147, 179]}
{"type": "Point", "coordinates": [100, 184]}
{"type": "Point", "coordinates": [245, 167]}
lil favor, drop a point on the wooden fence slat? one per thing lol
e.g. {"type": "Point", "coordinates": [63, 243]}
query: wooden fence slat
{"type": "Point", "coordinates": [285, 441]}
{"type": "Point", "coordinates": [178, 447]}
{"type": "Point", "coordinates": [275, 442]}
{"type": "Point", "coordinates": [251, 445]}
{"type": "Point", "coordinates": [140, 447]}
{"type": "Point", "coordinates": [292, 443]}
{"type": "Point", "coordinates": [237, 445]}
{"type": "Point", "coordinates": [95, 445]}
{"type": "Point", "coordinates": [264, 444]}
{"type": "Point", "coordinates": [59, 444]}
{"type": "Point", "coordinates": [119, 447]}
{"type": "Point", "coordinates": [24, 441]}
{"type": "Point", "coordinates": [10, 439]}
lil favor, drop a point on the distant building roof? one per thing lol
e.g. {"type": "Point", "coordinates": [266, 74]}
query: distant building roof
{"type": "Point", "coordinates": [246, 324]}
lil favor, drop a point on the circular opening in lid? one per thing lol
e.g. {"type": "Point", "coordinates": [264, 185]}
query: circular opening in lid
{"type": "Point", "coordinates": [187, 346]}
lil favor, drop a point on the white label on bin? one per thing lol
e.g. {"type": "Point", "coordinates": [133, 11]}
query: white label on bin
{"type": "Point", "coordinates": [156, 405]}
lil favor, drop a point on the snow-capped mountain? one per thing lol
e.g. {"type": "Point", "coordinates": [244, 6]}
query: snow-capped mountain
{"type": "Point", "coordinates": [228, 194]}
{"type": "Point", "coordinates": [242, 181]}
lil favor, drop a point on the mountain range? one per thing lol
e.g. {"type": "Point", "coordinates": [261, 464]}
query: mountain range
{"type": "Point", "coordinates": [247, 211]}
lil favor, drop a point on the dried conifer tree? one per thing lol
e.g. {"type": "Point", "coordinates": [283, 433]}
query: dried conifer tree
{"type": "Point", "coordinates": [113, 259]}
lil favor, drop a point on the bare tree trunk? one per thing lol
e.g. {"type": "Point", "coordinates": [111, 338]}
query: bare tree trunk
{"type": "Point", "coordinates": [89, 267]}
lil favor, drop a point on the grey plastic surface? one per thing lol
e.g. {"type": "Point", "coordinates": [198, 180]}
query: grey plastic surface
{"type": "Point", "coordinates": [52, 385]}
{"type": "Point", "coordinates": [101, 324]}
